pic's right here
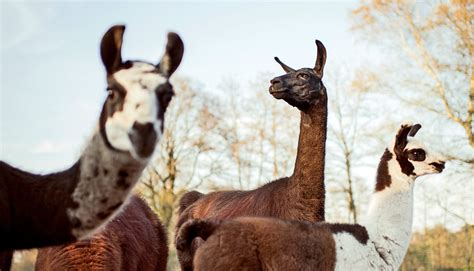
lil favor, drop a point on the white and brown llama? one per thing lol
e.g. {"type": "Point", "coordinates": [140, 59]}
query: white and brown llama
{"type": "Point", "coordinates": [53, 209]}
{"type": "Point", "coordinates": [300, 196]}
{"type": "Point", "coordinates": [257, 243]}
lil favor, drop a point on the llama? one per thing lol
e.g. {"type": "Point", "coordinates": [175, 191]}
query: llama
{"type": "Point", "coordinates": [300, 196]}
{"type": "Point", "coordinates": [254, 243]}
{"type": "Point", "coordinates": [133, 240]}
{"type": "Point", "coordinates": [53, 209]}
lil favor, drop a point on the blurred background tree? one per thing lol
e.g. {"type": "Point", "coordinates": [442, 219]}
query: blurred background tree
{"type": "Point", "coordinates": [427, 67]}
{"type": "Point", "coordinates": [428, 51]}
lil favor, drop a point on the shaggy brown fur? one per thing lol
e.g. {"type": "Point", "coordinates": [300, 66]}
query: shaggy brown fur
{"type": "Point", "coordinates": [298, 197]}
{"type": "Point", "coordinates": [254, 243]}
{"type": "Point", "coordinates": [134, 240]}
{"type": "Point", "coordinates": [24, 195]}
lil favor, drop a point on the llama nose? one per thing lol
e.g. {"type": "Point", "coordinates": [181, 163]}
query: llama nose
{"type": "Point", "coordinates": [275, 82]}
{"type": "Point", "coordinates": [143, 138]}
{"type": "Point", "coordinates": [438, 165]}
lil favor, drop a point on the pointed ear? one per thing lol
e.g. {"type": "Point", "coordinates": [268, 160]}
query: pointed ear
{"type": "Point", "coordinates": [414, 129]}
{"type": "Point", "coordinates": [173, 55]}
{"type": "Point", "coordinates": [285, 67]}
{"type": "Point", "coordinates": [401, 138]}
{"type": "Point", "coordinates": [111, 48]}
{"type": "Point", "coordinates": [321, 59]}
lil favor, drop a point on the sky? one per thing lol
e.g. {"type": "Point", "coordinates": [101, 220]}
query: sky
{"type": "Point", "coordinates": [53, 82]}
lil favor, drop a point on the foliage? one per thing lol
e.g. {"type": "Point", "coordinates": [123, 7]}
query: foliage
{"type": "Point", "coordinates": [439, 249]}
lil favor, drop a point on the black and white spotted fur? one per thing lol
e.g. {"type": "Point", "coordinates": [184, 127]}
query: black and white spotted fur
{"type": "Point", "coordinates": [45, 210]}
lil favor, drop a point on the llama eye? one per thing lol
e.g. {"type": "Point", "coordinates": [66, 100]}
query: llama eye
{"type": "Point", "coordinates": [303, 76]}
{"type": "Point", "coordinates": [111, 94]}
{"type": "Point", "coordinates": [417, 155]}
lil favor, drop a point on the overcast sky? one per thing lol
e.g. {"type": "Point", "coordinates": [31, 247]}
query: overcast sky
{"type": "Point", "coordinates": [52, 79]}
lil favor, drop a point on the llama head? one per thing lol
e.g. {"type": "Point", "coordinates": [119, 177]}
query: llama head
{"type": "Point", "coordinates": [412, 156]}
{"type": "Point", "coordinates": [138, 94]}
{"type": "Point", "coordinates": [303, 87]}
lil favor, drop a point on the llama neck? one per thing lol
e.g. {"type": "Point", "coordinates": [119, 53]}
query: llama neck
{"type": "Point", "coordinates": [390, 215]}
{"type": "Point", "coordinates": [308, 175]}
{"type": "Point", "coordinates": [105, 180]}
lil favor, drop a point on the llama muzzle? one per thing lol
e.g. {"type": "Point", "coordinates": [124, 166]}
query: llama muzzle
{"type": "Point", "coordinates": [143, 138]}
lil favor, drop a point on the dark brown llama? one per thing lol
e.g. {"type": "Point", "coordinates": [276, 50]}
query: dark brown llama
{"type": "Point", "coordinates": [62, 207]}
{"type": "Point", "coordinates": [264, 243]}
{"type": "Point", "coordinates": [133, 240]}
{"type": "Point", "coordinates": [298, 197]}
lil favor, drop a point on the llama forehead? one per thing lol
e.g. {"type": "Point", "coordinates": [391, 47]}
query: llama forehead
{"type": "Point", "coordinates": [294, 74]}
{"type": "Point", "coordinates": [140, 83]}
{"type": "Point", "coordinates": [140, 75]}
{"type": "Point", "coordinates": [308, 70]}
{"type": "Point", "coordinates": [415, 144]}
{"type": "Point", "coordinates": [412, 143]}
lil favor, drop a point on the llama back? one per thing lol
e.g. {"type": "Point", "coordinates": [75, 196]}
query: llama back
{"type": "Point", "coordinates": [272, 199]}
{"type": "Point", "coordinates": [188, 199]}
{"type": "Point", "coordinates": [134, 240]}
{"type": "Point", "coordinates": [266, 244]}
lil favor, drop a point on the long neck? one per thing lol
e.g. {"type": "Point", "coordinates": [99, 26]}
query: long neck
{"type": "Point", "coordinates": [308, 175]}
{"type": "Point", "coordinates": [105, 180]}
{"type": "Point", "coordinates": [390, 215]}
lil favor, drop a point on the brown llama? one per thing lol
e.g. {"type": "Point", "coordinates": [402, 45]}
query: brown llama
{"type": "Point", "coordinates": [258, 243]}
{"type": "Point", "coordinates": [133, 240]}
{"type": "Point", "coordinates": [62, 207]}
{"type": "Point", "coordinates": [298, 197]}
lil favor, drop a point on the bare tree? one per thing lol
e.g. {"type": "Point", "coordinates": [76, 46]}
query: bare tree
{"type": "Point", "coordinates": [427, 75]}
{"type": "Point", "coordinates": [185, 157]}
{"type": "Point", "coordinates": [278, 129]}
{"type": "Point", "coordinates": [348, 148]}
{"type": "Point", "coordinates": [260, 133]}
{"type": "Point", "coordinates": [432, 69]}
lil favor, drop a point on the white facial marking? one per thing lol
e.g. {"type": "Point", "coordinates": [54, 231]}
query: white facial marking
{"type": "Point", "coordinates": [420, 167]}
{"type": "Point", "coordinates": [423, 167]}
{"type": "Point", "coordinates": [141, 105]}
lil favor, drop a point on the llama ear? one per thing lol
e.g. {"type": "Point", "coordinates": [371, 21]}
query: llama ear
{"type": "Point", "coordinates": [111, 48]}
{"type": "Point", "coordinates": [414, 129]}
{"type": "Point", "coordinates": [285, 67]}
{"type": "Point", "coordinates": [401, 138]}
{"type": "Point", "coordinates": [321, 59]}
{"type": "Point", "coordinates": [173, 55]}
